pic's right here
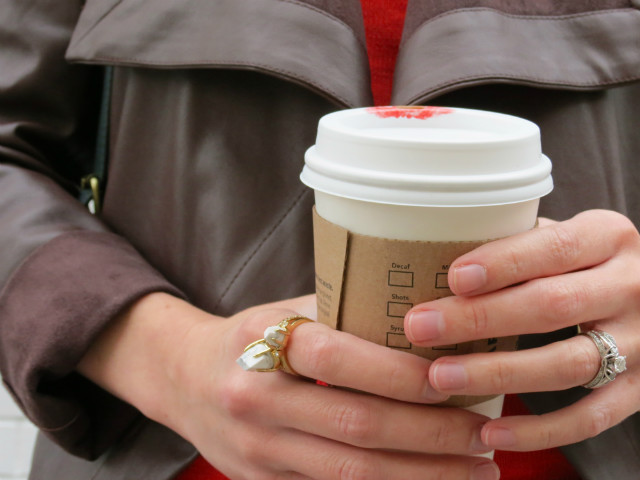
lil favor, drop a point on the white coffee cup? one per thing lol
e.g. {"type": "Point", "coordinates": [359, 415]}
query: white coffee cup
{"type": "Point", "coordinates": [428, 174]}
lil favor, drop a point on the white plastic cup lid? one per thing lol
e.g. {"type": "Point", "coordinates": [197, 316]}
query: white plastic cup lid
{"type": "Point", "coordinates": [428, 156]}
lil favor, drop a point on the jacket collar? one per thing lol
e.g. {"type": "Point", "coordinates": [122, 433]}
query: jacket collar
{"type": "Point", "coordinates": [321, 49]}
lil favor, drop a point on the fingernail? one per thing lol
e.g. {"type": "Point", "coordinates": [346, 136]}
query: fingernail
{"type": "Point", "coordinates": [425, 325]}
{"type": "Point", "coordinates": [485, 471]}
{"type": "Point", "coordinates": [498, 437]}
{"type": "Point", "coordinates": [449, 376]}
{"type": "Point", "coordinates": [477, 445]}
{"type": "Point", "coordinates": [431, 395]}
{"type": "Point", "coordinates": [468, 278]}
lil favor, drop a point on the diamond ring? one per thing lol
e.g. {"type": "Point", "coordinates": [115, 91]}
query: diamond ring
{"type": "Point", "coordinates": [611, 362]}
{"type": "Point", "coordinates": [268, 353]}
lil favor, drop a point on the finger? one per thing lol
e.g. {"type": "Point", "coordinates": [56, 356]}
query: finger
{"type": "Point", "coordinates": [537, 306]}
{"type": "Point", "coordinates": [372, 422]}
{"type": "Point", "coordinates": [277, 451]}
{"type": "Point", "coordinates": [348, 417]}
{"type": "Point", "coordinates": [590, 416]}
{"type": "Point", "coordinates": [558, 366]}
{"type": "Point", "coordinates": [337, 358]}
{"type": "Point", "coordinates": [587, 239]}
{"type": "Point", "coordinates": [341, 359]}
{"type": "Point", "coordinates": [322, 459]}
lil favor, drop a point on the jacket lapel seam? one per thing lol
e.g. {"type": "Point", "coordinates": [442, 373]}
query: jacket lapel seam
{"type": "Point", "coordinates": [269, 234]}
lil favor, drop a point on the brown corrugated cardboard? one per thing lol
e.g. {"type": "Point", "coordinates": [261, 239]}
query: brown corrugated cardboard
{"type": "Point", "coordinates": [365, 285]}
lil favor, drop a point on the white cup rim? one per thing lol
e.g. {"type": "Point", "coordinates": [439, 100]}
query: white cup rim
{"type": "Point", "coordinates": [504, 167]}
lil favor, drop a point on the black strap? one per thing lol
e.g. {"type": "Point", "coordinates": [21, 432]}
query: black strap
{"type": "Point", "coordinates": [92, 185]}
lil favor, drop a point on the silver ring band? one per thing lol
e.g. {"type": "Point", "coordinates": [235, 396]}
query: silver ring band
{"type": "Point", "coordinates": [611, 362]}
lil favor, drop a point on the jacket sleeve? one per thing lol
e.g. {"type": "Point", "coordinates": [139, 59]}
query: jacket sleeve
{"type": "Point", "coordinates": [63, 274]}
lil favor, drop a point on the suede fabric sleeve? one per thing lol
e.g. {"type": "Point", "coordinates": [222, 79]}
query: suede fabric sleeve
{"type": "Point", "coordinates": [63, 274]}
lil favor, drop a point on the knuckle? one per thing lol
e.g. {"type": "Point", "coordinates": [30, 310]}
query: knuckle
{"type": "Point", "coordinates": [441, 472]}
{"type": "Point", "coordinates": [357, 467]}
{"type": "Point", "coordinates": [284, 476]}
{"type": "Point", "coordinates": [252, 452]}
{"type": "Point", "coordinates": [267, 316]}
{"type": "Point", "coordinates": [442, 438]}
{"type": "Point", "coordinates": [634, 287]}
{"type": "Point", "coordinates": [583, 365]}
{"type": "Point", "coordinates": [598, 420]}
{"type": "Point", "coordinates": [502, 377]}
{"type": "Point", "coordinates": [478, 319]}
{"type": "Point", "coordinates": [564, 246]}
{"type": "Point", "coordinates": [281, 476]}
{"type": "Point", "coordinates": [626, 230]}
{"type": "Point", "coordinates": [322, 355]}
{"type": "Point", "coordinates": [237, 397]}
{"type": "Point", "coordinates": [247, 330]}
{"type": "Point", "coordinates": [395, 379]}
{"type": "Point", "coordinates": [355, 422]}
{"type": "Point", "coordinates": [268, 476]}
{"type": "Point", "coordinates": [253, 324]}
{"type": "Point", "coordinates": [629, 234]}
{"type": "Point", "coordinates": [545, 439]}
{"type": "Point", "coordinates": [256, 319]}
{"type": "Point", "coordinates": [634, 293]}
{"type": "Point", "coordinates": [515, 266]}
{"type": "Point", "coordinates": [560, 299]}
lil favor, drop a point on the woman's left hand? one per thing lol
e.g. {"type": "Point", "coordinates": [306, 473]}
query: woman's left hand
{"type": "Point", "coordinates": [584, 271]}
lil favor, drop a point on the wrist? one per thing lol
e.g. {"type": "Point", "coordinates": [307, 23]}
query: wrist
{"type": "Point", "coordinates": [136, 355]}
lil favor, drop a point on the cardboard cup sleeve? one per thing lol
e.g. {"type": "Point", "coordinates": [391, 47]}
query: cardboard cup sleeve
{"type": "Point", "coordinates": [365, 285]}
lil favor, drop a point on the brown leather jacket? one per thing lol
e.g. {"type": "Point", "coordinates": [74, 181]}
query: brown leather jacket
{"type": "Point", "coordinates": [213, 105]}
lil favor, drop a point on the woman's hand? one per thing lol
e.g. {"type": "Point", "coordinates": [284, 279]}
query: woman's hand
{"type": "Point", "coordinates": [584, 271]}
{"type": "Point", "coordinates": [177, 365]}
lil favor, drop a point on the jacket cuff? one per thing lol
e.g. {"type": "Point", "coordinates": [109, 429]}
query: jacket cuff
{"type": "Point", "coordinates": [51, 310]}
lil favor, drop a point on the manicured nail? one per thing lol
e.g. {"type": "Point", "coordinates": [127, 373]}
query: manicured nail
{"type": "Point", "coordinates": [469, 278]}
{"type": "Point", "coordinates": [485, 471]}
{"type": "Point", "coordinates": [477, 445]}
{"type": "Point", "coordinates": [498, 437]}
{"type": "Point", "coordinates": [425, 325]}
{"type": "Point", "coordinates": [430, 395]}
{"type": "Point", "coordinates": [449, 376]}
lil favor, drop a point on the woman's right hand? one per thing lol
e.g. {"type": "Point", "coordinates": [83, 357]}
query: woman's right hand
{"type": "Point", "coordinates": [253, 425]}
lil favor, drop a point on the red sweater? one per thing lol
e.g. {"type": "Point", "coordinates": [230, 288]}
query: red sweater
{"type": "Point", "coordinates": [384, 20]}
{"type": "Point", "coordinates": [542, 465]}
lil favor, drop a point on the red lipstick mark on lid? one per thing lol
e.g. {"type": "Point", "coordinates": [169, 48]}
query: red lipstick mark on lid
{"type": "Point", "coordinates": [409, 112]}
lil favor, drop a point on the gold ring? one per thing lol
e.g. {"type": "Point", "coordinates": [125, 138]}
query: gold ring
{"type": "Point", "coordinates": [268, 353]}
